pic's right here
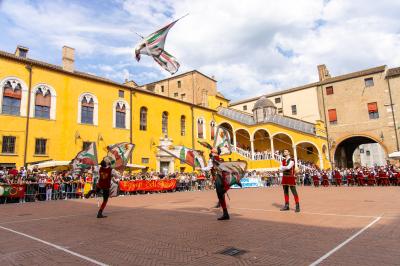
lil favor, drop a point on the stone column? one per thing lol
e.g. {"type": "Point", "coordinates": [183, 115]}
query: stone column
{"type": "Point", "coordinates": [252, 149]}
{"type": "Point", "coordinates": [295, 154]}
{"type": "Point", "coordinates": [321, 161]}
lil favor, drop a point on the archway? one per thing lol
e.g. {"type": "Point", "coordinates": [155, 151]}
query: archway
{"type": "Point", "coordinates": [307, 154]}
{"type": "Point", "coordinates": [243, 139]}
{"type": "Point", "coordinates": [262, 141]}
{"type": "Point", "coordinates": [282, 141]}
{"type": "Point", "coordinates": [229, 128]}
{"type": "Point", "coordinates": [359, 151]}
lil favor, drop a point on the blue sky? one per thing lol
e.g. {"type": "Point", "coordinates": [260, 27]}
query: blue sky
{"type": "Point", "coordinates": [251, 49]}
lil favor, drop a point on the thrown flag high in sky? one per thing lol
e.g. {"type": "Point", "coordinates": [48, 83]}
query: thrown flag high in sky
{"type": "Point", "coordinates": [153, 45]}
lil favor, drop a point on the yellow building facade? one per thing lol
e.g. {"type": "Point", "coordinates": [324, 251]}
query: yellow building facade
{"type": "Point", "coordinates": [51, 112]}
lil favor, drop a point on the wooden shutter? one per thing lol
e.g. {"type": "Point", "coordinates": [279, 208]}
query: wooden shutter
{"type": "Point", "coordinates": [372, 107]}
{"type": "Point", "coordinates": [332, 115]}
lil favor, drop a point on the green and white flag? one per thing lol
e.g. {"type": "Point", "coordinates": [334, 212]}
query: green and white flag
{"type": "Point", "coordinates": [153, 45]}
{"type": "Point", "coordinates": [86, 159]}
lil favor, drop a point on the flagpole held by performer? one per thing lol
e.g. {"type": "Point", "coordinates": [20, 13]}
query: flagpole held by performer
{"type": "Point", "coordinates": [289, 180]}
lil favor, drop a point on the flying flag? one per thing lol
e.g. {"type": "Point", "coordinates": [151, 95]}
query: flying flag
{"type": "Point", "coordinates": [119, 154]}
{"type": "Point", "coordinates": [153, 45]}
{"type": "Point", "coordinates": [86, 159]}
{"type": "Point", "coordinates": [232, 171]}
{"type": "Point", "coordinates": [223, 141]}
{"type": "Point", "coordinates": [186, 155]}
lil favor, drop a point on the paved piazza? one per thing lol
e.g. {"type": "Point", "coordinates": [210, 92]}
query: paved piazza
{"type": "Point", "coordinates": [337, 226]}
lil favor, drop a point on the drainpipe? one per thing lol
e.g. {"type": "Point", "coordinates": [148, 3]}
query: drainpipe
{"type": "Point", "coordinates": [192, 109]}
{"type": "Point", "coordinates": [130, 120]}
{"type": "Point", "coordinates": [29, 68]}
{"type": "Point", "coordinates": [326, 126]}
{"type": "Point", "coordinates": [394, 120]}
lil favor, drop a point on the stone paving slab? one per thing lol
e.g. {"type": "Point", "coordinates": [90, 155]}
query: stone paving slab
{"type": "Point", "coordinates": [181, 229]}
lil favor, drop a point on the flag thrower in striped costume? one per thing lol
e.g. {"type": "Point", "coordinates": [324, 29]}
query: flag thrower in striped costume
{"type": "Point", "coordinates": [119, 154]}
{"type": "Point", "coordinates": [186, 155]}
{"type": "Point", "coordinates": [153, 45]}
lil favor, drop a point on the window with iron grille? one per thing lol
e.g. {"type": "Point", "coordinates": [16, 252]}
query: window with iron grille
{"type": "Point", "coordinates": [244, 107]}
{"type": "Point", "coordinates": [294, 110]}
{"type": "Point", "coordinates": [277, 100]}
{"type": "Point", "coordinates": [176, 94]}
{"type": "Point", "coordinates": [143, 119]}
{"type": "Point", "coordinates": [280, 111]}
{"type": "Point", "coordinates": [8, 144]}
{"type": "Point", "coordinates": [329, 90]}
{"type": "Point", "coordinates": [179, 84]}
{"type": "Point", "coordinates": [369, 82]}
{"type": "Point", "coordinates": [145, 160]}
{"type": "Point", "coordinates": [162, 88]}
{"type": "Point", "coordinates": [40, 146]}
{"type": "Point", "coordinates": [121, 93]}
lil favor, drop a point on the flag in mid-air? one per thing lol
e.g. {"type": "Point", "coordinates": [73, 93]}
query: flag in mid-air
{"type": "Point", "coordinates": [153, 45]}
{"type": "Point", "coordinates": [186, 155]}
{"type": "Point", "coordinates": [119, 154]}
{"type": "Point", "coordinates": [223, 141]}
{"type": "Point", "coordinates": [86, 159]}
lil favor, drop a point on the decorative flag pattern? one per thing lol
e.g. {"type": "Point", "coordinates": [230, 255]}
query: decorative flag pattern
{"type": "Point", "coordinates": [86, 159]}
{"type": "Point", "coordinates": [232, 171]}
{"type": "Point", "coordinates": [119, 154]}
{"type": "Point", "coordinates": [223, 141]}
{"type": "Point", "coordinates": [153, 45]}
{"type": "Point", "coordinates": [186, 155]}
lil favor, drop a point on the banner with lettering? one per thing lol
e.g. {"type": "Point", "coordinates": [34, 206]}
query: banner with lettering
{"type": "Point", "coordinates": [147, 185]}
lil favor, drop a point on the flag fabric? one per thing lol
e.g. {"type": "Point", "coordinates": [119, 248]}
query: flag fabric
{"type": "Point", "coordinates": [223, 141]}
{"type": "Point", "coordinates": [153, 45]}
{"type": "Point", "coordinates": [186, 155]}
{"type": "Point", "coordinates": [232, 171]}
{"type": "Point", "coordinates": [86, 159]}
{"type": "Point", "coordinates": [119, 154]}
{"type": "Point", "coordinates": [205, 144]}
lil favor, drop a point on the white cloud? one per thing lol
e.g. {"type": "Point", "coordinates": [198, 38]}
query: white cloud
{"type": "Point", "coordinates": [251, 47]}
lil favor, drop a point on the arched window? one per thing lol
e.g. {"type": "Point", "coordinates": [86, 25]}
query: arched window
{"type": "Point", "coordinates": [212, 126]}
{"type": "Point", "coordinates": [143, 118]}
{"type": "Point", "coordinates": [200, 128]}
{"type": "Point", "coordinates": [12, 94]}
{"type": "Point", "coordinates": [88, 109]}
{"type": "Point", "coordinates": [183, 125]}
{"type": "Point", "coordinates": [120, 116]}
{"type": "Point", "coordinates": [42, 103]}
{"type": "Point", "coordinates": [164, 123]}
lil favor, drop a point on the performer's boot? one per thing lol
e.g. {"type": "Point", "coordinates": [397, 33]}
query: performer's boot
{"type": "Point", "coordinates": [100, 214]}
{"type": "Point", "coordinates": [89, 194]}
{"type": "Point", "coordinates": [286, 207]}
{"type": "Point", "coordinates": [297, 207]}
{"type": "Point", "coordinates": [224, 216]}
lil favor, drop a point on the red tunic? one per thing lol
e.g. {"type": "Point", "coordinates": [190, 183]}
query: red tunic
{"type": "Point", "coordinates": [105, 178]}
{"type": "Point", "coordinates": [288, 175]}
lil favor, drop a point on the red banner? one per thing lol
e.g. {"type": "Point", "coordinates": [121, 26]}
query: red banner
{"type": "Point", "coordinates": [12, 191]}
{"type": "Point", "coordinates": [147, 185]}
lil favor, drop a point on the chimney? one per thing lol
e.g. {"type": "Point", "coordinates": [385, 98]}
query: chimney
{"type": "Point", "coordinates": [68, 58]}
{"type": "Point", "coordinates": [21, 51]}
{"type": "Point", "coordinates": [323, 73]}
